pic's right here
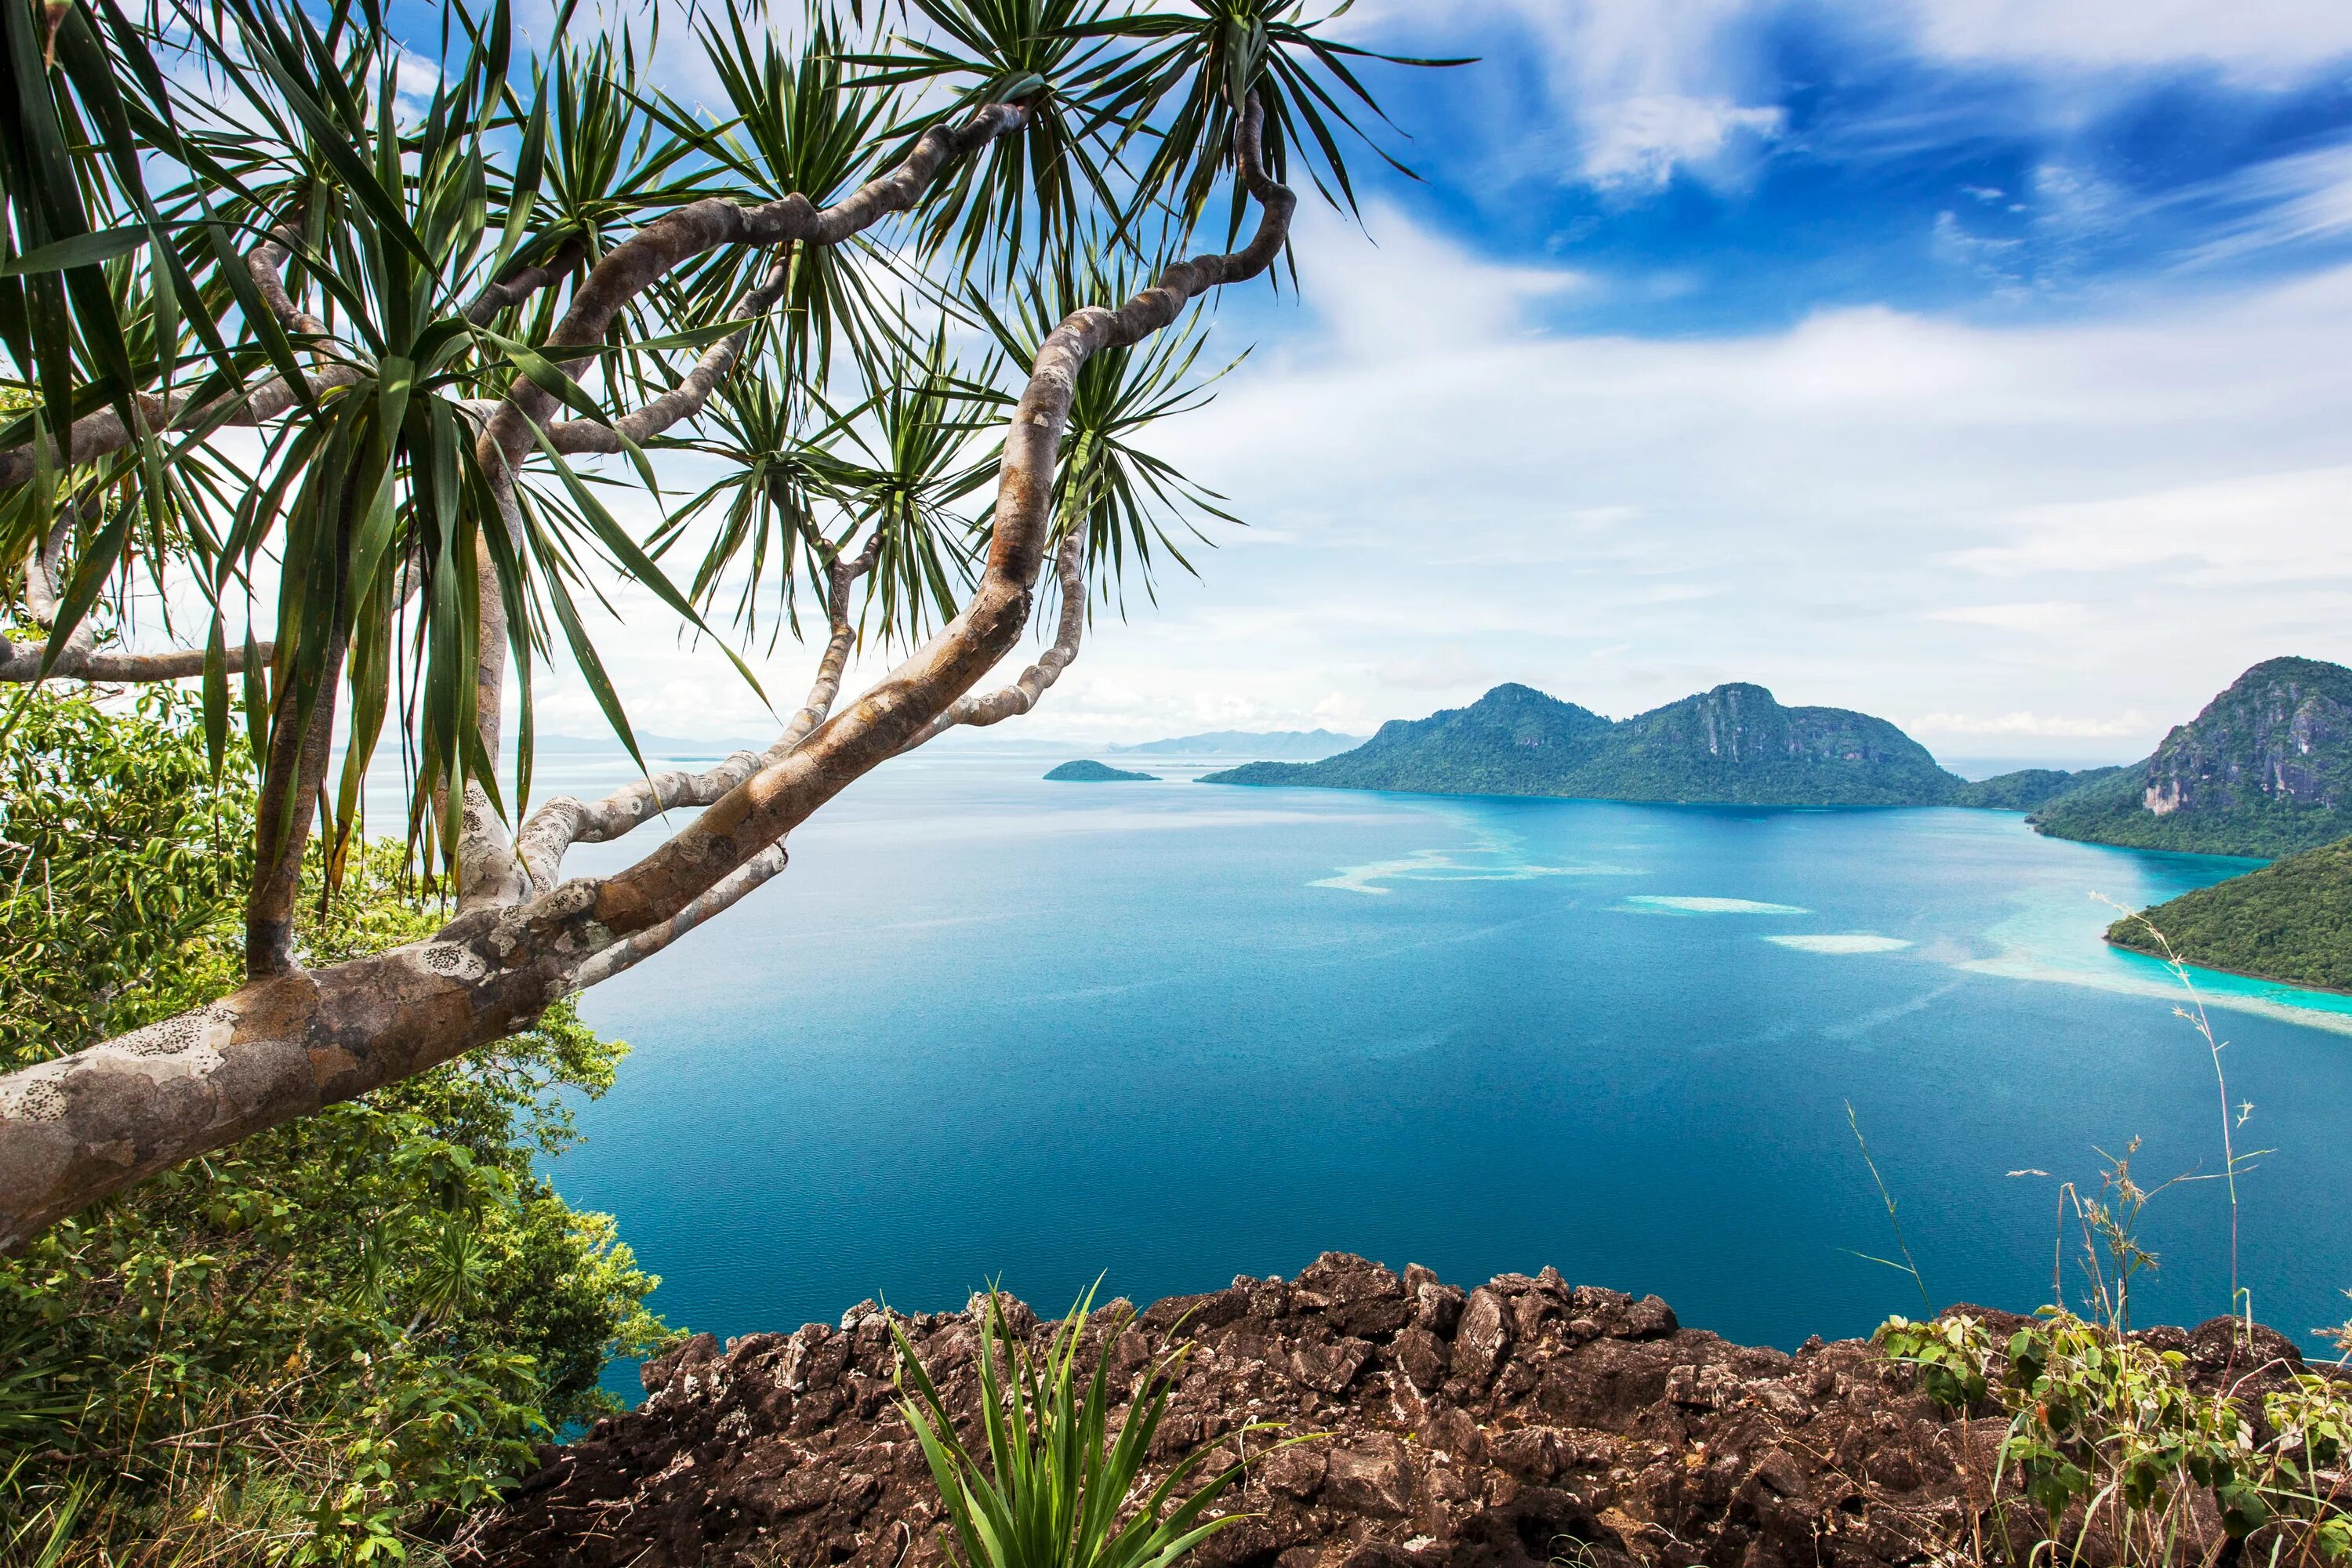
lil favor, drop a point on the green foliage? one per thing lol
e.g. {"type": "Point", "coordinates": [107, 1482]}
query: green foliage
{"type": "Point", "coordinates": [2291, 921]}
{"type": "Point", "coordinates": [1052, 1487]}
{"type": "Point", "coordinates": [1734, 745]}
{"type": "Point", "coordinates": [321, 1338]}
{"type": "Point", "coordinates": [2026, 789]}
{"type": "Point", "coordinates": [2104, 1430]}
{"type": "Point", "coordinates": [122, 860]}
{"type": "Point", "coordinates": [2108, 810]}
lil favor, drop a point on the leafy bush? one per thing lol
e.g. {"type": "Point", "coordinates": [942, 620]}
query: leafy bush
{"type": "Point", "coordinates": [315, 1344]}
{"type": "Point", "coordinates": [2107, 1425]}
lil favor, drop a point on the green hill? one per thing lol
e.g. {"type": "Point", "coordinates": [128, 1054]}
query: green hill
{"type": "Point", "coordinates": [2026, 788]}
{"type": "Point", "coordinates": [1733, 746]}
{"type": "Point", "coordinates": [1091, 772]}
{"type": "Point", "coordinates": [2266, 770]}
{"type": "Point", "coordinates": [2291, 921]}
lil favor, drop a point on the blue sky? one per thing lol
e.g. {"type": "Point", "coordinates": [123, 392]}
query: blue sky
{"type": "Point", "coordinates": [1734, 167]}
{"type": "Point", "coordinates": [1979, 364]}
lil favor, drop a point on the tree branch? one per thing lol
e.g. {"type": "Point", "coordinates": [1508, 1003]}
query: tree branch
{"type": "Point", "coordinates": [80, 659]}
{"type": "Point", "coordinates": [522, 282]}
{"type": "Point", "coordinates": [81, 1126]}
{"type": "Point", "coordinates": [732, 889]}
{"type": "Point", "coordinates": [637, 263]}
{"type": "Point", "coordinates": [564, 821]}
{"type": "Point", "coordinates": [688, 397]}
{"type": "Point", "coordinates": [1023, 694]}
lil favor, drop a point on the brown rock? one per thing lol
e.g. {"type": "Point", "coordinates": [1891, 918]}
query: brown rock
{"type": "Point", "coordinates": [1484, 1337]}
{"type": "Point", "coordinates": [1423, 1356]}
{"type": "Point", "coordinates": [1371, 1476]}
{"type": "Point", "coordinates": [1294, 1469]}
{"type": "Point", "coordinates": [1329, 1368]}
{"type": "Point", "coordinates": [1562, 1425]}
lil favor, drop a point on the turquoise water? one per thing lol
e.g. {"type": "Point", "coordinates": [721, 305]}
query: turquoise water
{"type": "Point", "coordinates": [989, 1026]}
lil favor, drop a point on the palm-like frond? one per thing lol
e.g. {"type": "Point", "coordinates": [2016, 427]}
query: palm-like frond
{"type": "Point", "coordinates": [1195, 70]}
{"type": "Point", "coordinates": [921, 417]}
{"type": "Point", "coordinates": [1028, 193]}
{"type": "Point", "coordinates": [800, 128]}
{"type": "Point", "coordinates": [1049, 1484]}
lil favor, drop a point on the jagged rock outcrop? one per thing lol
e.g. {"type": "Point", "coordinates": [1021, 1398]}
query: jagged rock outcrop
{"type": "Point", "coordinates": [1523, 1423]}
{"type": "Point", "coordinates": [2266, 768]}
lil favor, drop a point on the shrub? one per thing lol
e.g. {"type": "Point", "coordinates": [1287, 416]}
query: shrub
{"type": "Point", "coordinates": [319, 1343]}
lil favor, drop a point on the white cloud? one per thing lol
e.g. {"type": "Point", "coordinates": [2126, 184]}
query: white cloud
{"type": "Point", "coordinates": [1649, 137]}
{"type": "Point", "coordinates": [2291, 200]}
{"type": "Point", "coordinates": [2261, 38]}
{"type": "Point", "coordinates": [1652, 86]}
{"type": "Point", "coordinates": [2041, 614]}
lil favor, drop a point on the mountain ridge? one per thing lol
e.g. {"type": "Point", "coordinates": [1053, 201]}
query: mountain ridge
{"type": "Point", "coordinates": [1735, 745]}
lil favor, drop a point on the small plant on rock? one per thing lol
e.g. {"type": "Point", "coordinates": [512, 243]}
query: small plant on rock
{"type": "Point", "coordinates": [1050, 1490]}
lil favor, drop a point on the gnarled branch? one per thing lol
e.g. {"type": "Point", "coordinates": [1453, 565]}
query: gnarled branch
{"type": "Point", "coordinates": [80, 658]}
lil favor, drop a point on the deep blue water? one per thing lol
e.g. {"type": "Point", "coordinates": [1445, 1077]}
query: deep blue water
{"type": "Point", "coordinates": [989, 1026]}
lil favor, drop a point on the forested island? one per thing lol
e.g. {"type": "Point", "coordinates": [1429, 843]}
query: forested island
{"type": "Point", "coordinates": [1088, 770]}
{"type": "Point", "coordinates": [1733, 746]}
{"type": "Point", "coordinates": [2291, 921]}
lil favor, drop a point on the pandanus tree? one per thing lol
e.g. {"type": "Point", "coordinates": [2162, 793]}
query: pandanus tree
{"type": "Point", "coordinates": [348, 343]}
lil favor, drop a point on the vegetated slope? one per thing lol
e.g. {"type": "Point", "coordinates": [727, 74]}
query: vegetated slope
{"type": "Point", "coordinates": [2266, 768]}
{"type": "Point", "coordinates": [1733, 746]}
{"type": "Point", "coordinates": [1269, 745]}
{"type": "Point", "coordinates": [1088, 771]}
{"type": "Point", "coordinates": [2027, 788]}
{"type": "Point", "coordinates": [2291, 921]}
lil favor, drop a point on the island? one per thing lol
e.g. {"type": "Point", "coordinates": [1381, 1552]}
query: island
{"type": "Point", "coordinates": [1088, 770]}
{"type": "Point", "coordinates": [2289, 922]}
{"type": "Point", "coordinates": [1733, 746]}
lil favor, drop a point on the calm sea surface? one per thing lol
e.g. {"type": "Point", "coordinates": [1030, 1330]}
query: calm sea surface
{"type": "Point", "coordinates": [987, 1026]}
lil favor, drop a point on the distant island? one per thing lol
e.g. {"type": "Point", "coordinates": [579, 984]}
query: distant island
{"type": "Point", "coordinates": [2291, 921]}
{"type": "Point", "coordinates": [1734, 745]}
{"type": "Point", "coordinates": [1091, 772]}
{"type": "Point", "coordinates": [1269, 745]}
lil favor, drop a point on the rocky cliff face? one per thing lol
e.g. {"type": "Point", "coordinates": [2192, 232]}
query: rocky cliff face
{"type": "Point", "coordinates": [1523, 1423]}
{"type": "Point", "coordinates": [1741, 729]}
{"type": "Point", "coordinates": [2282, 733]}
{"type": "Point", "coordinates": [2266, 768]}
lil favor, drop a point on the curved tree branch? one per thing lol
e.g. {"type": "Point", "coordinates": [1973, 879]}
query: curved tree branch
{"type": "Point", "coordinates": [81, 659]}
{"type": "Point", "coordinates": [1023, 694]}
{"type": "Point", "coordinates": [79, 1127]}
{"type": "Point", "coordinates": [522, 282]}
{"type": "Point", "coordinates": [732, 889]}
{"type": "Point", "coordinates": [564, 821]}
{"type": "Point", "coordinates": [692, 392]}
{"type": "Point", "coordinates": [637, 263]}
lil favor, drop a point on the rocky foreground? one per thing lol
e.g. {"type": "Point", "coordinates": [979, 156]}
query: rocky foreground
{"type": "Point", "coordinates": [1527, 1421]}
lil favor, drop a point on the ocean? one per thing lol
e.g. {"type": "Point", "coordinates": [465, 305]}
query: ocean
{"type": "Point", "coordinates": [988, 1028]}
